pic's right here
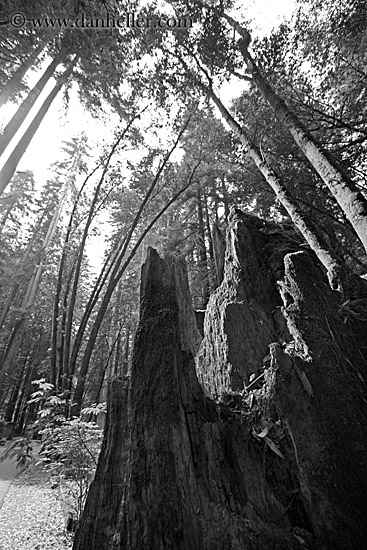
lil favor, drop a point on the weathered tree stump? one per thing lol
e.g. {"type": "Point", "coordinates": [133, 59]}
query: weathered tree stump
{"type": "Point", "coordinates": [230, 462]}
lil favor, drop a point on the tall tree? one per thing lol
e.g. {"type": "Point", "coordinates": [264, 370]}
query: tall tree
{"type": "Point", "coordinates": [9, 167]}
{"type": "Point", "coordinates": [24, 108]}
{"type": "Point", "coordinates": [11, 87]}
{"type": "Point", "coordinates": [353, 203]}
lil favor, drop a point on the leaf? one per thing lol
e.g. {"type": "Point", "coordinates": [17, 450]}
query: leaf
{"type": "Point", "coordinates": [36, 394]}
{"type": "Point", "coordinates": [35, 399]}
{"type": "Point", "coordinates": [264, 432]}
{"type": "Point", "coordinates": [46, 386]}
{"type": "Point", "coordinates": [37, 382]}
{"type": "Point", "coordinates": [273, 447]}
{"type": "Point", "coordinates": [300, 539]}
{"type": "Point", "coordinates": [55, 400]}
{"type": "Point", "coordinates": [307, 384]}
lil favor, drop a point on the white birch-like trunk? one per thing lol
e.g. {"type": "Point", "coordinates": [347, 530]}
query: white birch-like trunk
{"type": "Point", "coordinates": [326, 257]}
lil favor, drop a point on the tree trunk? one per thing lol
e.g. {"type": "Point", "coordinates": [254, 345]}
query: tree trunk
{"type": "Point", "coordinates": [11, 164]}
{"type": "Point", "coordinates": [29, 297]}
{"type": "Point", "coordinates": [24, 108]}
{"type": "Point", "coordinates": [13, 84]}
{"type": "Point", "coordinates": [193, 476]}
{"type": "Point", "coordinates": [203, 262]}
{"type": "Point", "coordinates": [351, 201]}
{"type": "Point", "coordinates": [75, 284]}
{"type": "Point", "coordinates": [309, 232]}
{"type": "Point", "coordinates": [225, 196]}
{"type": "Point", "coordinates": [125, 363]}
{"type": "Point", "coordinates": [15, 393]}
{"type": "Point", "coordinates": [118, 271]}
{"type": "Point", "coordinates": [315, 387]}
{"type": "Point", "coordinates": [207, 227]}
{"type": "Point", "coordinates": [279, 465]}
{"type": "Point", "coordinates": [70, 359]}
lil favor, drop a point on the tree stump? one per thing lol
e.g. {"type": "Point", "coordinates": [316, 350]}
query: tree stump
{"type": "Point", "coordinates": [267, 451]}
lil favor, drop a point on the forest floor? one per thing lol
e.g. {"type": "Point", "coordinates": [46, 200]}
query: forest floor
{"type": "Point", "coordinates": [8, 471]}
{"type": "Point", "coordinates": [31, 517]}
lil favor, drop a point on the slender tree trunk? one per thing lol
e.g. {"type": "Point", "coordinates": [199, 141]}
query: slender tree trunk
{"type": "Point", "coordinates": [54, 339]}
{"type": "Point", "coordinates": [118, 272]}
{"type": "Point", "coordinates": [15, 393]}
{"type": "Point", "coordinates": [11, 351]}
{"type": "Point", "coordinates": [75, 285]}
{"type": "Point", "coordinates": [24, 108]}
{"type": "Point", "coordinates": [68, 365]}
{"type": "Point", "coordinates": [119, 324]}
{"type": "Point", "coordinates": [6, 306]}
{"type": "Point", "coordinates": [225, 196]}
{"type": "Point", "coordinates": [316, 242]}
{"type": "Point", "coordinates": [28, 299]}
{"type": "Point", "coordinates": [11, 164]}
{"type": "Point", "coordinates": [102, 278]}
{"type": "Point", "coordinates": [351, 201]}
{"type": "Point", "coordinates": [202, 251]}
{"type": "Point", "coordinates": [13, 84]}
{"type": "Point", "coordinates": [118, 353]}
{"type": "Point", "coordinates": [125, 362]}
{"type": "Point", "coordinates": [207, 226]}
{"type": "Point", "coordinates": [93, 299]}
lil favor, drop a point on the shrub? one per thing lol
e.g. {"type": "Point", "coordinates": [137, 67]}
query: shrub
{"type": "Point", "coordinates": [70, 450]}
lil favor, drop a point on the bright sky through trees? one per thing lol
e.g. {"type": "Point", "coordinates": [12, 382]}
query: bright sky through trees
{"type": "Point", "coordinates": [62, 124]}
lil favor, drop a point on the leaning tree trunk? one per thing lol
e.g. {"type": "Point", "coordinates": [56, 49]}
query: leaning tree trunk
{"type": "Point", "coordinates": [326, 256]}
{"type": "Point", "coordinates": [350, 200]}
{"type": "Point", "coordinates": [268, 452]}
{"type": "Point", "coordinates": [24, 108]}
{"type": "Point", "coordinates": [13, 84]}
{"type": "Point", "coordinates": [11, 164]}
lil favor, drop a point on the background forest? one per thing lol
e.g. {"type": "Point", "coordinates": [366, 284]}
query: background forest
{"type": "Point", "coordinates": [190, 131]}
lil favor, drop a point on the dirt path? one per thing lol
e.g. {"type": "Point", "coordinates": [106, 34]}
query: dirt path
{"type": "Point", "coordinates": [31, 517]}
{"type": "Point", "coordinates": [8, 472]}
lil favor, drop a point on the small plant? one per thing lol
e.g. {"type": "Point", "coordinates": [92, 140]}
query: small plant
{"type": "Point", "coordinates": [69, 448]}
{"type": "Point", "coordinates": [71, 451]}
{"type": "Point", "coordinates": [52, 411]}
{"type": "Point", "coordinates": [21, 451]}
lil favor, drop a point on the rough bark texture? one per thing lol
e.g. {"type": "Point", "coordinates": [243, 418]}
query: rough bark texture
{"type": "Point", "coordinates": [327, 420]}
{"type": "Point", "coordinates": [194, 475]}
{"type": "Point", "coordinates": [100, 519]}
{"type": "Point", "coordinates": [319, 384]}
{"type": "Point", "coordinates": [279, 465]}
{"type": "Point", "coordinates": [243, 315]}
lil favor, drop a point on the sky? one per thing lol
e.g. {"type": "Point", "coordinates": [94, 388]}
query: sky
{"type": "Point", "coordinates": [62, 124]}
